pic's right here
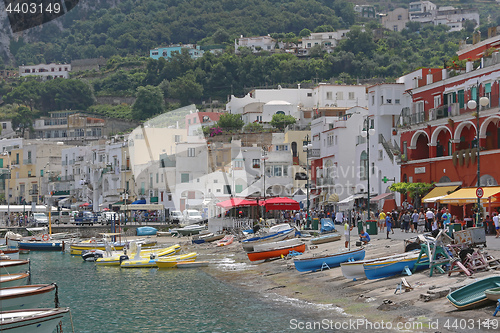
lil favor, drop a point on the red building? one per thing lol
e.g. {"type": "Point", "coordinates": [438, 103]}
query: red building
{"type": "Point", "coordinates": [438, 131]}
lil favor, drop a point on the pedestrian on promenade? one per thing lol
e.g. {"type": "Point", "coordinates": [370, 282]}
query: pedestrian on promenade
{"type": "Point", "coordinates": [381, 221]}
{"type": "Point", "coordinates": [347, 233]}
{"type": "Point", "coordinates": [497, 224]}
{"type": "Point", "coordinates": [388, 223]}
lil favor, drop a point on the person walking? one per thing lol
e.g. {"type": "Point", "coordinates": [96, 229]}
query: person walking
{"type": "Point", "coordinates": [414, 219]}
{"type": "Point", "coordinates": [381, 221]}
{"type": "Point", "coordinates": [429, 219]}
{"type": "Point", "coordinates": [347, 233]}
{"type": "Point", "coordinates": [497, 224]}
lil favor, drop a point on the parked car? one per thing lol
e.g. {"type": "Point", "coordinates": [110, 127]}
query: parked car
{"type": "Point", "coordinates": [86, 218]}
{"type": "Point", "coordinates": [175, 216]}
{"type": "Point", "coordinates": [40, 219]}
{"type": "Point", "coordinates": [64, 217]}
{"type": "Point", "coordinates": [108, 217]}
{"type": "Point", "coordinates": [192, 216]}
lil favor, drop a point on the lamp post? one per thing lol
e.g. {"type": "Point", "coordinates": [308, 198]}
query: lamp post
{"type": "Point", "coordinates": [475, 104]}
{"type": "Point", "coordinates": [8, 187]}
{"type": "Point", "coordinates": [366, 132]}
{"type": "Point", "coordinates": [306, 147]}
{"type": "Point", "coordinates": [264, 158]}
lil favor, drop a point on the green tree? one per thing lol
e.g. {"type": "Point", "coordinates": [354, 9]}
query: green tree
{"type": "Point", "coordinates": [220, 36]}
{"type": "Point", "coordinates": [23, 119]}
{"type": "Point", "coordinates": [280, 121]}
{"type": "Point", "coordinates": [415, 190]}
{"type": "Point", "coordinates": [149, 102]}
{"type": "Point", "coordinates": [186, 89]}
{"type": "Point", "coordinates": [305, 32]}
{"type": "Point", "coordinates": [231, 122]}
{"type": "Point", "coordinates": [253, 128]}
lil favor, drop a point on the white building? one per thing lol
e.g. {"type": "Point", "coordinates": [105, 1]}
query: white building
{"type": "Point", "coordinates": [328, 41]}
{"type": "Point", "coordinates": [46, 70]}
{"type": "Point", "coordinates": [428, 12]}
{"type": "Point", "coordinates": [396, 20]}
{"type": "Point", "coordinates": [256, 44]}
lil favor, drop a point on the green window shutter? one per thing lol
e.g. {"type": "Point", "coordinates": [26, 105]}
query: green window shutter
{"type": "Point", "coordinates": [454, 97]}
{"type": "Point", "coordinates": [461, 99]}
{"type": "Point", "coordinates": [473, 92]}
{"type": "Point", "coordinates": [487, 88]}
{"type": "Point", "coordinates": [1, 163]}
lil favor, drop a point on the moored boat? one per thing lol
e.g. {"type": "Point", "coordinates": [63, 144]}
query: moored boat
{"type": "Point", "coordinates": [226, 240]}
{"type": "Point", "coordinates": [249, 243]}
{"type": "Point", "coordinates": [387, 267]}
{"type": "Point", "coordinates": [14, 280]}
{"type": "Point", "coordinates": [153, 261]}
{"type": "Point", "coordinates": [42, 245]}
{"type": "Point", "coordinates": [172, 261]}
{"type": "Point", "coordinates": [354, 269]}
{"type": "Point", "coordinates": [473, 295]}
{"type": "Point", "coordinates": [24, 297]}
{"type": "Point", "coordinates": [326, 238]}
{"type": "Point", "coordinates": [115, 258]}
{"type": "Point", "coordinates": [273, 245]}
{"type": "Point", "coordinates": [327, 261]}
{"type": "Point", "coordinates": [146, 231]}
{"type": "Point", "coordinates": [276, 252]}
{"type": "Point", "coordinates": [12, 254]}
{"type": "Point", "coordinates": [493, 294]}
{"type": "Point", "coordinates": [192, 264]}
{"type": "Point", "coordinates": [77, 248]}
{"type": "Point", "coordinates": [13, 266]}
{"type": "Point", "coordinates": [32, 320]}
{"type": "Point", "coordinates": [188, 230]}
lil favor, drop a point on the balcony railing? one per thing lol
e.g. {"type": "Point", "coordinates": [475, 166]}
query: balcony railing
{"type": "Point", "coordinates": [27, 161]}
{"type": "Point", "coordinates": [33, 192]}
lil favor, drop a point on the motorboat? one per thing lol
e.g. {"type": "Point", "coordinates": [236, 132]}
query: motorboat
{"type": "Point", "coordinates": [192, 229]}
{"type": "Point", "coordinates": [49, 245]}
{"type": "Point", "coordinates": [151, 262]}
{"type": "Point", "coordinates": [172, 261]}
{"type": "Point", "coordinates": [24, 297]}
{"type": "Point", "coordinates": [93, 244]}
{"type": "Point", "coordinates": [32, 320]}
{"type": "Point", "coordinates": [327, 261]}
{"type": "Point", "coordinates": [10, 266]}
{"type": "Point", "coordinates": [114, 258]}
{"type": "Point", "coordinates": [9, 254]}
{"type": "Point", "coordinates": [14, 280]}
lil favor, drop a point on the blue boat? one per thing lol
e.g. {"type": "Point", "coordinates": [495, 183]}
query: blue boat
{"type": "Point", "coordinates": [387, 267]}
{"type": "Point", "coordinates": [41, 246]}
{"type": "Point", "coordinates": [331, 260]}
{"type": "Point", "coordinates": [146, 231]}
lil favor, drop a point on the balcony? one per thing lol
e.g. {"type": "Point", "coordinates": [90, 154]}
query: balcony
{"type": "Point", "coordinates": [314, 152]}
{"type": "Point", "coordinates": [444, 111]}
{"type": "Point", "coordinates": [27, 161]}
{"type": "Point", "coordinates": [33, 192]}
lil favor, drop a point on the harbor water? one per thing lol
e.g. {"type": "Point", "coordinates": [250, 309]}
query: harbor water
{"type": "Point", "coordinates": [110, 299]}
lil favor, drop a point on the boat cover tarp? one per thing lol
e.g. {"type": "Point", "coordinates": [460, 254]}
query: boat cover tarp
{"type": "Point", "coordinates": [327, 225]}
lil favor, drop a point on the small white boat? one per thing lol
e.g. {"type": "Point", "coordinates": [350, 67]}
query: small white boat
{"type": "Point", "coordinates": [275, 245]}
{"type": "Point", "coordinates": [14, 280]}
{"type": "Point", "coordinates": [326, 238]}
{"type": "Point", "coordinates": [13, 266]}
{"type": "Point", "coordinates": [280, 227]}
{"type": "Point", "coordinates": [24, 297]}
{"type": "Point", "coordinates": [188, 230]}
{"type": "Point", "coordinates": [33, 320]}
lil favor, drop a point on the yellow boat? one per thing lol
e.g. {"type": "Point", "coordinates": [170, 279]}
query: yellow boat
{"type": "Point", "coordinates": [153, 262]}
{"type": "Point", "coordinates": [77, 248]}
{"type": "Point", "coordinates": [114, 260]}
{"type": "Point", "coordinates": [171, 262]}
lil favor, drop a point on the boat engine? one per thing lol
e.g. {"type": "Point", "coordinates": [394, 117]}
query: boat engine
{"type": "Point", "coordinates": [122, 258]}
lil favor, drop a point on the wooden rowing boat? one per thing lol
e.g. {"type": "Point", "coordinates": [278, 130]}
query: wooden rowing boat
{"type": "Point", "coordinates": [473, 295]}
{"type": "Point", "coordinates": [326, 238]}
{"type": "Point", "coordinates": [276, 252]}
{"type": "Point", "coordinates": [327, 261]}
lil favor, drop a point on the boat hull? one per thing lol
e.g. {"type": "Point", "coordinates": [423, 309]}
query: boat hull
{"type": "Point", "coordinates": [41, 246]}
{"type": "Point", "coordinates": [473, 295]}
{"type": "Point", "coordinates": [493, 294]}
{"type": "Point", "coordinates": [14, 266]}
{"type": "Point", "coordinates": [248, 244]}
{"type": "Point", "coordinates": [13, 254]}
{"type": "Point", "coordinates": [326, 239]}
{"type": "Point", "coordinates": [33, 320]}
{"type": "Point", "coordinates": [114, 260]}
{"type": "Point", "coordinates": [14, 280]}
{"type": "Point", "coordinates": [76, 249]}
{"type": "Point", "coordinates": [24, 297]}
{"type": "Point", "coordinates": [390, 267]}
{"type": "Point", "coordinates": [275, 253]}
{"type": "Point", "coordinates": [171, 262]}
{"type": "Point", "coordinates": [334, 260]}
{"type": "Point", "coordinates": [226, 241]}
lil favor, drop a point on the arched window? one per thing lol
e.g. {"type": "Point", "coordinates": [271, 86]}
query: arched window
{"type": "Point", "coordinates": [280, 112]}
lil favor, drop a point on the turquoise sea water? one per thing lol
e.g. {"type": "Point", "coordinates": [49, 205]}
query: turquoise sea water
{"type": "Point", "coordinates": [110, 299]}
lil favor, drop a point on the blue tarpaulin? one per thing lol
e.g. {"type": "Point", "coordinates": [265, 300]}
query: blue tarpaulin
{"type": "Point", "coordinates": [327, 225]}
{"type": "Point", "coordinates": [139, 202]}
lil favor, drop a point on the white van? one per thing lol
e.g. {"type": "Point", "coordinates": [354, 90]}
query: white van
{"type": "Point", "coordinates": [175, 216]}
{"type": "Point", "coordinates": [64, 217]}
{"type": "Point", "coordinates": [192, 216]}
{"type": "Point", "coordinates": [40, 219]}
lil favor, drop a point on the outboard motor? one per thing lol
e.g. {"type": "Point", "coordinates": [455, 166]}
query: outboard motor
{"type": "Point", "coordinates": [122, 258]}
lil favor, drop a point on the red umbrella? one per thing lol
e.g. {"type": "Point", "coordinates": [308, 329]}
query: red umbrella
{"type": "Point", "coordinates": [85, 204]}
{"type": "Point", "coordinates": [236, 202]}
{"type": "Point", "coordinates": [280, 203]}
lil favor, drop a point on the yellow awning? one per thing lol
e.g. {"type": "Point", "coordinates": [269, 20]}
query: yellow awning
{"type": "Point", "coordinates": [468, 195]}
{"type": "Point", "coordinates": [438, 193]}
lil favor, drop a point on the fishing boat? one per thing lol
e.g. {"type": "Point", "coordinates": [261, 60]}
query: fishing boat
{"type": "Point", "coordinates": [473, 295]}
{"type": "Point", "coordinates": [12, 254]}
{"type": "Point", "coordinates": [42, 245]}
{"type": "Point", "coordinates": [226, 241]}
{"type": "Point", "coordinates": [32, 320]}
{"type": "Point", "coordinates": [387, 267]}
{"type": "Point", "coordinates": [14, 266]}
{"type": "Point", "coordinates": [273, 245]}
{"type": "Point", "coordinates": [354, 269]}
{"type": "Point", "coordinates": [192, 264]}
{"type": "Point", "coordinates": [157, 262]}
{"type": "Point", "coordinates": [249, 243]}
{"type": "Point", "coordinates": [24, 297]}
{"type": "Point", "coordinates": [327, 261]}
{"type": "Point", "coordinates": [326, 238]}
{"type": "Point", "coordinates": [493, 294]}
{"type": "Point", "coordinates": [192, 229]}
{"type": "Point", "coordinates": [171, 262]}
{"type": "Point", "coordinates": [14, 280]}
{"type": "Point", "coordinates": [114, 258]}
{"type": "Point", "coordinates": [276, 252]}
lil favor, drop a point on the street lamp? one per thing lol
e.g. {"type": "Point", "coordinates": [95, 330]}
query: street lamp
{"type": "Point", "coordinates": [307, 147]}
{"type": "Point", "coordinates": [365, 133]}
{"type": "Point", "coordinates": [264, 158]}
{"type": "Point", "coordinates": [8, 187]}
{"type": "Point", "coordinates": [474, 104]}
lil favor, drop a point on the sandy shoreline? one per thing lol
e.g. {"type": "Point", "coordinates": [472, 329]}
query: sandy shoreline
{"type": "Point", "coordinates": [373, 301]}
